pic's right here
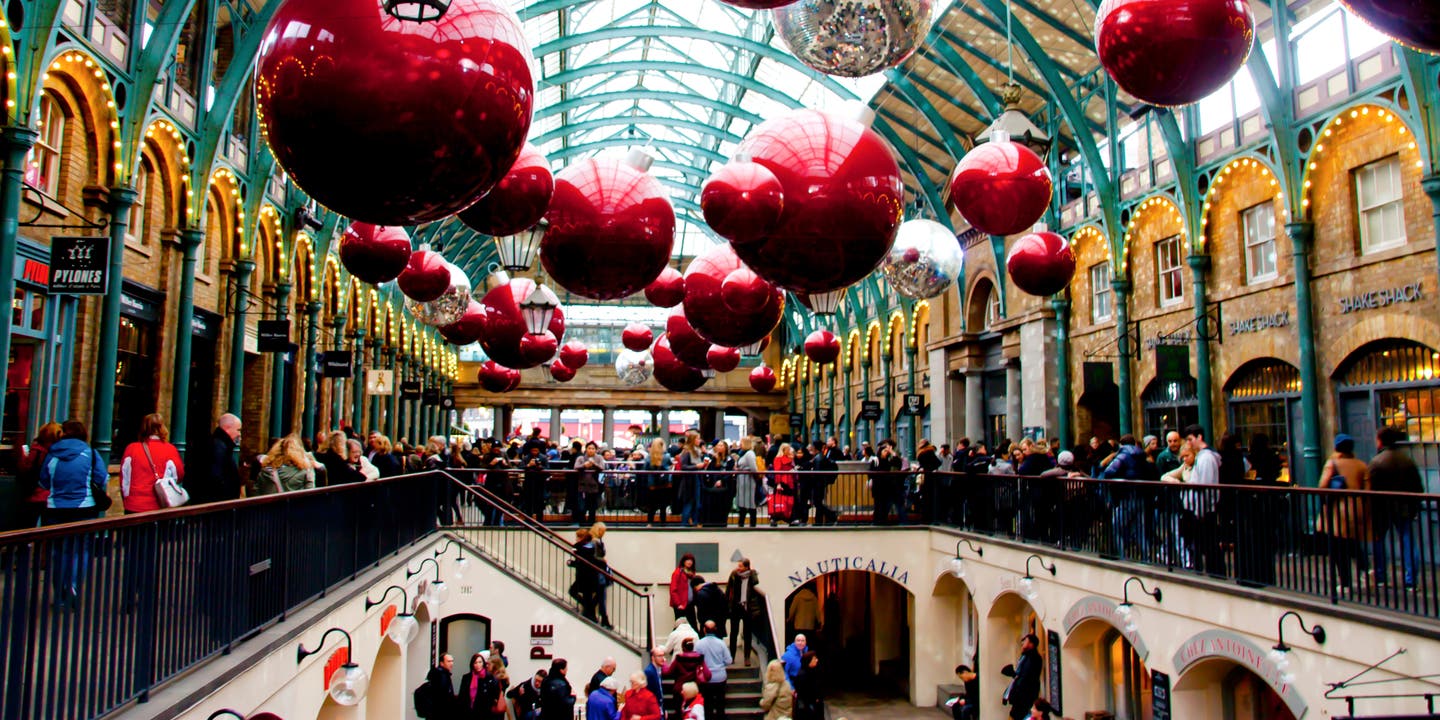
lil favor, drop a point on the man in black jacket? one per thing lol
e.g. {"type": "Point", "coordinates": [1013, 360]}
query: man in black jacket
{"type": "Point", "coordinates": [439, 688]}
{"type": "Point", "coordinates": [1025, 678]}
{"type": "Point", "coordinates": [527, 697]}
{"type": "Point", "coordinates": [1393, 470]}
{"type": "Point", "coordinates": [218, 477]}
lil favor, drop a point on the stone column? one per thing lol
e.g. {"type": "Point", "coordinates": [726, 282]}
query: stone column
{"type": "Point", "coordinates": [1121, 296]}
{"type": "Point", "coordinates": [607, 426]}
{"type": "Point", "coordinates": [277, 367]}
{"type": "Point", "coordinates": [1204, 384]}
{"type": "Point", "coordinates": [103, 429]}
{"type": "Point", "coordinates": [940, 400]}
{"type": "Point", "coordinates": [975, 405]}
{"type": "Point", "coordinates": [1014, 402]}
{"type": "Point", "coordinates": [1301, 235]}
{"type": "Point", "coordinates": [557, 428]}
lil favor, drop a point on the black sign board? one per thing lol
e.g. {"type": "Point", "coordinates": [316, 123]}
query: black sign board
{"type": "Point", "coordinates": [1099, 377]}
{"type": "Point", "coordinates": [1053, 660]}
{"type": "Point", "coordinates": [1172, 362]}
{"type": "Point", "coordinates": [430, 396]}
{"type": "Point", "coordinates": [79, 265]}
{"type": "Point", "coordinates": [797, 421]}
{"type": "Point", "coordinates": [447, 402]}
{"type": "Point", "coordinates": [336, 364]}
{"type": "Point", "coordinates": [914, 405]}
{"type": "Point", "coordinates": [410, 390]}
{"type": "Point", "coordinates": [1159, 695]}
{"type": "Point", "coordinates": [824, 415]}
{"type": "Point", "coordinates": [870, 410]}
{"type": "Point", "coordinates": [273, 336]}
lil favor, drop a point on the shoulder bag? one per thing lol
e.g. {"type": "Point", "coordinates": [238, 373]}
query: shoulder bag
{"type": "Point", "coordinates": [168, 491]}
{"type": "Point", "coordinates": [99, 492]}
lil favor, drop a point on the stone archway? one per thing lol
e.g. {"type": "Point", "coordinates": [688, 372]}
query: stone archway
{"type": "Point", "coordinates": [1011, 616]}
{"type": "Point", "coordinates": [865, 617]}
{"type": "Point", "coordinates": [1106, 658]}
{"type": "Point", "coordinates": [1215, 668]}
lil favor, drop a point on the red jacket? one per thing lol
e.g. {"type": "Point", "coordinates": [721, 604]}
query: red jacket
{"type": "Point", "coordinates": [679, 588]}
{"type": "Point", "coordinates": [137, 476]}
{"type": "Point", "coordinates": [641, 702]}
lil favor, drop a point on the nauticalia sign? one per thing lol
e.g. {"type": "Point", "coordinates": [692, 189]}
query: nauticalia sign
{"type": "Point", "coordinates": [1380, 298]}
{"type": "Point", "coordinates": [857, 562]}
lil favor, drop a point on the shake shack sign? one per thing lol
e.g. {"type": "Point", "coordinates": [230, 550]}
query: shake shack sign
{"type": "Point", "coordinates": [1260, 322]}
{"type": "Point", "coordinates": [1381, 298]}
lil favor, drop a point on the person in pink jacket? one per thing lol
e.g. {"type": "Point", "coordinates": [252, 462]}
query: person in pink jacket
{"type": "Point", "coordinates": [144, 462]}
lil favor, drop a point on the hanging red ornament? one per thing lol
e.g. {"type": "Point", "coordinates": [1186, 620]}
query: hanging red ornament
{"type": "Point", "coordinates": [514, 378]}
{"type": "Point", "coordinates": [727, 303]}
{"type": "Point", "coordinates": [822, 347]}
{"type": "Point", "coordinates": [469, 328]}
{"type": "Point", "coordinates": [518, 201]}
{"type": "Point", "coordinates": [1173, 52]}
{"type": "Point", "coordinates": [604, 209]}
{"type": "Point", "coordinates": [426, 276]}
{"type": "Point", "coordinates": [1041, 263]}
{"type": "Point", "coordinates": [1001, 187]}
{"type": "Point", "coordinates": [505, 324]}
{"type": "Point", "coordinates": [688, 345]}
{"type": "Point", "coordinates": [667, 290]}
{"type": "Point", "coordinates": [495, 378]}
{"type": "Point", "coordinates": [1412, 23]}
{"type": "Point", "coordinates": [375, 254]}
{"type": "Point", "coordinates": [574, 354]}
{"type": "Point", "coordinates": [722, 359]}
{"type": "Point", "coordinates": [537, 349]}
{"type": "Point", "coordinates": [758, 4]}
{"type": "Point", "coordinates": [843, 200]}
{"type": "Point", "coordinates": [672, 372]}
{"type": "Point", "coordinates": [742, 201]}
{"type": "Point", "coordinates": [637, 337]}
{"type": "Point", "coordinates": [762, 379]}
{"type": "Point", "coordinates": [561, 372]}
{"type": "Point", "coordinates": [390, 121]}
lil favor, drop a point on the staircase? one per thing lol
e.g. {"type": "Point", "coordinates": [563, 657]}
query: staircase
{"type": "Point", "coordinates": [742, 694]}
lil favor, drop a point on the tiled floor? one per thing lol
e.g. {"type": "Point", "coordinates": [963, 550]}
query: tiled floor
{"type": "Point", "coordinates": [849, 706]}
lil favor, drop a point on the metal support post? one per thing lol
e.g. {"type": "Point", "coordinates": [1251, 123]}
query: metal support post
{"type": "Point", "coordinates": [1301, 234]}
{"type": "Point", "coordinates": [1121, 291]}
{"type": "Point", "coordinates": [277, 367]}
{"type": "Point", "coordinates": [1199, 274]}
{"type": "Point", "coordinates": [312, 377]}
{"type": "Point", "coordinates": [241, 275]}
{"type": "Point", "coordinates": [102, 431]}
{"type": "Point", "coordinates": [190, 241]}
{"type": "Point", "coordinates": [15, 143]}
{"type": "Point", "coordinates": [1063, 415]}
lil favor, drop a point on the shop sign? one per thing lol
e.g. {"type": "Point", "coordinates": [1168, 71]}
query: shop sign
{"type": "Point", "coordinates": [447, 402]}
{"type": "Point", "coordinates": [914, 405]}
{"type": "Point", "coordinates": [138, 308]}
{"type": "Point", "coordinates": [797, 421]}
{"type": "Point", "coordinates": [1172, 362]}
{"type": "Point", "coordinates": [824, 416]}
{"type": "Point", "coordinates": [870, 410]}
{"type": "Point", "coordinates": [1159, 695]}
{"type": "Point", "coordinates": [542, 642]}
{"type": "Point", "coordinates": [379, 382]}
{"type": "Point", "coordinates": [78, 265]}
{"type": "Point", "coordinates": [1260, 322]}
{"type": "Point", "coordinates": [430, 396]}
{"type": "Point", "coordinates": [902, 386]}
{"type": "Point", "coordinates": [1095, 607]}
{"type": "Point", "coordinates": [837, 564]}
{"type": "Point", "coordinates": [1099, 376]}
{"type": "Point", "coordinates": [336, 363]}
{"type": "Point", "coordinates": [1053, 659]}
{"type": "Point", "coordinates": [1381, 298]}
{"type": "Point", "coordinates": [410, 390]}
{"type": "Point", "coordinates": [1179, 337]}
{"type": "Point", "coordinates": [32, 271]}
{"type": "Point", "coordinates": [273, 336]}
{"type": "Point", "coordinates": [1235, 648]}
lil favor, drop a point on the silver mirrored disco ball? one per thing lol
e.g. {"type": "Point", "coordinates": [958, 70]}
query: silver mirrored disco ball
{"type": "Point", "coordinates": [853, 38]}
{"type": "Point", "coordinates": [633, 367]}
{"type": "Point", "coordinates": [447, 308]}
{"type": "Point", "coordinates": [924, 261]}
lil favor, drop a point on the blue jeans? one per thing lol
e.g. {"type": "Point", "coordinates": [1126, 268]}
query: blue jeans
{"type": "Point", "coordinates": [690, 511]}
{"type": "Point", "coordinates": [1409, 558]}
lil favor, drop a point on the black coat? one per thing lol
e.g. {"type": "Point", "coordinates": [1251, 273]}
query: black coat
{"type": "Point", "coordinates": [442, 693]}
{"type": "Point", "coordinates": [483, 705]}
{"type": "Point", "coordinates": [218, 478]}
{"type": "Point", "coordinates": [1025, 687]}
{"type": "Point", "coordinates": [526, 697]}
{"type": "Point", "coordinates": [387, 464]}
{"type": "Point", "coordinates": [338, 470]}
{"type": "Point", "coordinates": [557, 700]}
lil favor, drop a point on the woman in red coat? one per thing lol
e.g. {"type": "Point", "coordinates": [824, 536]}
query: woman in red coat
{"type": "Point", "coordinates": [639, 701]}
{"type": "Point", "coordinates": [146, 461]}
{"type": "Point", "coordinates": [680, 600]}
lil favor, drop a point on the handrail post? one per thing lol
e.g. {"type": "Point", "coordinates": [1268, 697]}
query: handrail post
{"type": "Point", "coordinates": [18, 652]}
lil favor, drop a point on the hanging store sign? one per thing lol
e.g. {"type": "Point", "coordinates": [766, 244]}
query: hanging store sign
{"type": "Point", "coordinates": [410, 390]}
{"type": "Point", "coordinates": [32, 271]}
{"type": "Point", "coordinates": [1260, 322]}
{"type": "Point", "coordinates": [379, 382]}
{"type": "Point", "coordinates": [1053, 659]}
{"type": "Point", "coordinates": [824, 415]}
{"type": "Point", "coordinates": [1381, 298]}
{"type": "Point", "coordinates": [336, 364]}
{"type": "Point", "coordinates": [870, 410]}
{"type": "Point", "coordinates": [1177, 338]}
{"type": "Point", "coordinates": [1172, 363]}
{"type": "Point", "coordinates": [273, 336]}
{"type": "Point", "coordinates": [1099, 376]}
{"type": "Point", "coordinates": [797, 421]}
{"type": "Point", "coordinates": [78, 265]}
{"type": "Point", "coordinates": [914, 405]}
{"type": "Point", "coordinates": [447, 402]}
{"type": "Point", "coordinates": [1159, 695]}
{"type": "Point", "coordinates": [430, 396]}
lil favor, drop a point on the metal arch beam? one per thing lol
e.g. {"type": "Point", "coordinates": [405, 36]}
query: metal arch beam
{"type": "Point", "coordinates": [623, 120]}
{"type": "Point", "coordinates": [925, 159]}
{"type": "Point", "coordinates": [157, 53]}
{"type": "Point", "coordinates": [1056, 24]}
{"type": "Point", "coordinates": [919, 101]}
{"type": "Point", "coordinates": [997, 26]}
{"type": "Point", "coordinates": [574, 150]}
{"type": "Point", "coordinates": [906, 125]}
{"type": "Point", "coordinates": [675, 98]}
{"type": "Point", "coordinates": [678, 68]}
{"type": "Point", "coordinates": [979, 115]}
{"type": "Point", "coordinates": [912, 162]}
{"type": "Point", "coordinates": [952, 61]}
{"type": "Point", "coordinates": [956, 42]}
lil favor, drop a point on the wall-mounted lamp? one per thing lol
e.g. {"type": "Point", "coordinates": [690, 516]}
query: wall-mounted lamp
{"type": "Point", "coordinates": [1125, 607]}
{"type": "Point", "coordinates": [957, 566]}
{"type": "Point", "coordinates": [348, 683]}
{"type": "Point", "coordinates": [438, 592]}
{"type": "Point", "coordinates": [1027, 583]}
{"type": "Point", "coordinates": [461, 562]}
{"type": "Point", "coordinates": [1280, 653]}
{"type": "Point", "coordinates": [403, 627]}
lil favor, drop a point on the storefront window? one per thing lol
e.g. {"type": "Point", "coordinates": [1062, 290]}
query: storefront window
{"type": "Point", "coordinates": [1100, 307]}
{"type": "Point", "coordinates": [1259, 225]}
{"type": "Point", "coordinates": [1394, 383]}
{"type": "Point", "coordinates": [1127, 690]}
{"type": "Point", "coordinates": [134, 377]}
{"type": "Point", "coordinates": [1169, 263]}
{"type": "Point", "coordinates": [1380, 199]}
{"type": "Point", "coordinates": [1170, 405]}
{"type": "Point", "coordinates": [1263, 398]}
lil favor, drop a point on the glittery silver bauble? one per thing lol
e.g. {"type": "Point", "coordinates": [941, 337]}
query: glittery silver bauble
{"type": "Point", "coordinates": [925, 260]}
{"type": "Point", "coordinates": [853, 38]}
{"type": "Point", "coordinates": [449, 307]}
{"type": "Point", "coordinates": [633, 367]}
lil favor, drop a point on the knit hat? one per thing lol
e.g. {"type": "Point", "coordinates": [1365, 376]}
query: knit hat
{"type": "Point", "coordinates": [1065, 459]}
{"type": "Point", "coordinates": [611, 684]}
{"type": "Point", "coordinates": [1343, 438]}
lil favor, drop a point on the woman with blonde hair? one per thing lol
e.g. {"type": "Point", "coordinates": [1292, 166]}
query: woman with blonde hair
{"type": "Point", "coordinates": [777, 698]}
{"type": "Point", "coordinates": [285, 468]}
{"type": "Point", "coordinates": [335, 456]}
{"type": "Point", "coordinates": [657, 481]}
{"type": "Point", "coordinates": [602, 579]}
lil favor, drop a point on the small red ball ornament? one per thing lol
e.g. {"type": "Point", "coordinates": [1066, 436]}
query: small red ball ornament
{"type": "Point", "coordinates": [843, 200]}
{"type": "Point", "coordinates": [390, 121]}
{"type": "Point", "coordinates": [425, 277]}
{"type": "Point", "coordinates": [722, 359]}
{"type": "Point", "coordinates": [376, 254]}
{"type": "Point", "coordinates": [1173, 52]}
{"type": "Point", "coordinates": [574, 354]}
{"type": "Point", "coordinates": [1041, 263]}
{"type": "Point", "coordinates": [667, 290]}
{"type": "Point", "coordinates": [518, 201]}
{"type": "Point", "coordinates": [742, 202]}
{"type": "Point", "coordinates": [1413, 23]}
{"type": "Point", "coordinates": [727, 303]}
{"type": "Point", "coordinates": [1001, 187]}
{"type": "Point", "coordinates": [637, 337]}
{"type": "Point", "coordinates": [672, 372]}
{"type": "Point", "coordinates": [822, 347]}
{"type": "Point", "coordinates": [495, 378]}
{"type": "Point", "coordinates": [537, 349]}
{"type": "Point", "coordinates": [505, 325]}
{"type": "Point", "coordinates": [688, 345]}
{"type": "Point", "coordinates": [605, 209]}
{"type": "Point", "coordinates": [762, 379]}
{"type": "Point", "coordinates": [469, 328]}
{"type": "Point", "coordinates": [561, 372]}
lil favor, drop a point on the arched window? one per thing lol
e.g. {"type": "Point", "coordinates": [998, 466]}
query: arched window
{"type": "Point", "coordinates": [138, 229]}
{"type": "Point", "coordinates": [42, 172]}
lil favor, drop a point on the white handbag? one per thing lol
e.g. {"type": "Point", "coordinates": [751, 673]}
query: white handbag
{"type": "Point", "coordinates": [168, 491]}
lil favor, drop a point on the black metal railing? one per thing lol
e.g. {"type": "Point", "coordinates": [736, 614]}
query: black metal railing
{"type": "Point", "coordinates": [96, 614]}
{"type": "Point", "coordinates": [533, 552]}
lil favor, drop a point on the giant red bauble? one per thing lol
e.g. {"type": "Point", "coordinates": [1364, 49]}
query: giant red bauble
{"type": "Point", "coordinates": [391, 121]}
{"type": "Point", "coordinates": [538, 349]}
{"type": "Point", "coordinates": [611, 229]}
{"type": "Point", "coordinates": [672, 372]}
{"type": "Point", "coordinates": [574, 354]}
{"type": "Point", "coordinates": [505, 325]}
{"type": "Point", "coordinates": [637, 337]}
{"type": "Point", "coordinates": [688, 345]}
{"type": "Point", "coordinates": [1173, 52]}
{"type": "Point", "coordinates": [1041, 263]}
{"type": "Point", "coordinates": [822, 347]}
{"type": "Point", "coordinates": [714, 279]}
{"type": "Point", "coordinates": [469, 328]}
{"type": "Point", "coordinates": [518, 201]}
{"type": "Point", "coordinates": [843, 200]}
{"type": "Point", "coordinates": [1415, 23]}
{"type": "Point", "coordinates": [722, 359]}
{"type": "Point", "coordinates": [495, 378]}
{"type": "Point", "coordinates": [376, 254]}
{"type": "Point", "coordinates": [742, 201]}
{"type": "Point", "coordinates": [1001, 187]}
{"type": "Point", "coordinates": [426, 276]}
{"type": "Point", "coordinates": [514, 377]}
{"type": "Point", "coordinates": [762, 379]}
{"type": "Point", "coordinates": [667, 289]}
{"type": "Point", "coordinates": [561, 372]}
{"type": "Point", "coordinates": [758, 4]}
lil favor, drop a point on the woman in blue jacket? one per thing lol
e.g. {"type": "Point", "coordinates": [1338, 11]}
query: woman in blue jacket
{"type": "Point", "coordinates": [71, 472]}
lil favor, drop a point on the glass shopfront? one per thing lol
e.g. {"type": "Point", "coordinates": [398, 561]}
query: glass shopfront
{"type": "Point", "coordinates": [1170, 405]}
{"type": "Point", "coordinates": [1263, 397]}
{"type": "Point", "coordinates": [204, 351]}
{"type": "Point", "coordinates": [1393, 383]}
{"type": "Point", "coordinates": [135, 357]}
{"type": "Point", "coordinates": [37, 387]}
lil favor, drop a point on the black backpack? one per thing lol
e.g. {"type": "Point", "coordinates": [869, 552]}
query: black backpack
{"type": "Point", "coordinates": [424, 700]}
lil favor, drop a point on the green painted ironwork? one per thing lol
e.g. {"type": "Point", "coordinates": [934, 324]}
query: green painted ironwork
{"type": "Point", "coordinates": [191, 240]}
{"type": "Point", "coordinates": [103, 427]}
